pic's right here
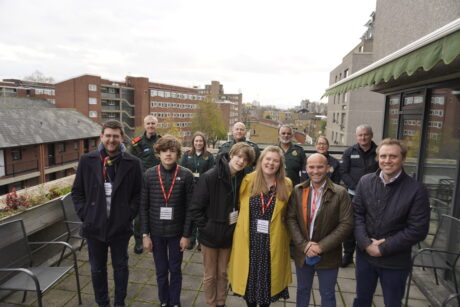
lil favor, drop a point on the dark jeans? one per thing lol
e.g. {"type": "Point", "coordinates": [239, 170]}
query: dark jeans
{"type": "Point", "coordinates": [349, 245]}
{"type": "Point", "coordinates": [97, 251]}
{"type": "Point", "coordinates": [168, 260]}
{"type": "Point", "coordinates": [392, 281]}
{"type": "Point", "coordinates": [327, 279]}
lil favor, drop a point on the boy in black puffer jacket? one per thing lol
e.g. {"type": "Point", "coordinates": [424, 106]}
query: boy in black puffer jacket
{"type": "Point", "coordinates": [165, 222]}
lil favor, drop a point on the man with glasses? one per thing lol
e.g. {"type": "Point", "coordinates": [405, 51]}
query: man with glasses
{"type": "Point", "coordinates": [106, 195]}
{"type": "Point", "coordinates": [293, 154]}
{"type": "Point", "coordinates": [357, 161]}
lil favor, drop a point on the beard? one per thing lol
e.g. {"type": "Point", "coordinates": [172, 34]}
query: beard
{"type": "Point", "coordinates": [285, 141]}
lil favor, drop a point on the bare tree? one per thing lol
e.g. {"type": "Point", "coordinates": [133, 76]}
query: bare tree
{"type": "Point", "coordinates": [38, 76]}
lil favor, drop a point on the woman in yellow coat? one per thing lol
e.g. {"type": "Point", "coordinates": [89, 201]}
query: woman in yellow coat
{"type": "Point", "coordinates": [260, 268]}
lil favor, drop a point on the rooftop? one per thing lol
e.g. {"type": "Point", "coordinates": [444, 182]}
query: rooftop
{"type": "Point", "coordinates": [26, 121]}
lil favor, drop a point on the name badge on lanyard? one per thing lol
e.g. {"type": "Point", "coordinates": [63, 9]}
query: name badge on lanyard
{"type": "Point", "coordinates": [263, 226]}
{"type": "Point", "coordinates": [108, 189]}
{"type": "Point", "coordinates": [233, 217]}
{"type": "Point", "coordinates": [166, 213]}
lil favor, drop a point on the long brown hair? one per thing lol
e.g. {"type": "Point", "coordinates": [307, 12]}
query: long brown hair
{"type": "Point", "coordinates": [259, 185]}
{"type": "Point", "coordinates": [205, 146]}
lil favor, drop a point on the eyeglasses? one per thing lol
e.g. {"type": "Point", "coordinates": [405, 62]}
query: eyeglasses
{"type": "Point", "coordinates": [114, 136]}
{"type": "Point", "coordinates": [321, 144]}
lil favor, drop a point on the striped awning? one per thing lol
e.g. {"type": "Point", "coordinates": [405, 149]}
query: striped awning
{"type": "Point", "coordinates": [440, 45]}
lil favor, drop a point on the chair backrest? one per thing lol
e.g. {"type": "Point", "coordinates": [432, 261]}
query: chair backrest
{"type": "Point", "coordinates": [69, 209]}
{"type": "Point", "coordinates": [14, 247]}
{"type": "Point", "coordinates": [446, 237]}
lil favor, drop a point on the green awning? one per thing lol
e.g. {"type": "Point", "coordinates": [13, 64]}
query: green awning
{"type": "Point", "coordinates": [445, 49]}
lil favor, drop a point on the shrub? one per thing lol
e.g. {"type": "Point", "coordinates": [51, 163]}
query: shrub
{"type": "Point", "coordinates": [15, 202]}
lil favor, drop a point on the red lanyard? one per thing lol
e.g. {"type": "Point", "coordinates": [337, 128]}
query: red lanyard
{"type": "Point", "coordinates": [172, 184]}
{"type": "Point", "coordinates": [313, 206]}
{"type": "Point", "coordinates": [265, 206]}
{"type": "Point", "coordinates": [104, 167]}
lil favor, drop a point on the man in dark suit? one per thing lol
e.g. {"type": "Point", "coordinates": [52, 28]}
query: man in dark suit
{"type": "Point", "coordinates": [106, 195]}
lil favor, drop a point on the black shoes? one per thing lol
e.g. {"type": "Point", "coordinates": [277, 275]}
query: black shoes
{"type": "Point", "coordinates": [347, 259]}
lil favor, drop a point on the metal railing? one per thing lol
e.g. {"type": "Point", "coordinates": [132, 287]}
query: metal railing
{"type": "Point", "coordinates": [21, 167]}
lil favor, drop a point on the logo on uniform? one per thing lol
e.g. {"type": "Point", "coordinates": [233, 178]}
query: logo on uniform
{"type": "Point", "coordinates": [294, 153]}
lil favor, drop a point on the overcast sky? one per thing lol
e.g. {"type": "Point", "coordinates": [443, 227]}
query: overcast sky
{"type": "Point", "coordinates": [275, 52]}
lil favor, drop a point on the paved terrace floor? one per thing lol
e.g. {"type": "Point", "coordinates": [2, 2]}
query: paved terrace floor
{"type": "Point", "coordinates": [142, 288]}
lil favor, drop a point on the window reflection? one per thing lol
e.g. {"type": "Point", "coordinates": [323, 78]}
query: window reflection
{"type": "Point", "coordinates": [442, 151]}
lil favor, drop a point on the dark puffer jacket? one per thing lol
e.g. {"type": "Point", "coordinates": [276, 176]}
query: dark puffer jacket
{"type": "Point", "coordinates": [213, 202]}
{"type": "Point", "coordinates": [357, 163]}
{"type": "Point", "coordinates": [152, 200]}
{"type": "Point", "coordinates": [398, 212]}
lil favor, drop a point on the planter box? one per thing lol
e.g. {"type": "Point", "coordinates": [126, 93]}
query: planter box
{"type": "Point", "coordinates": [39, 217]}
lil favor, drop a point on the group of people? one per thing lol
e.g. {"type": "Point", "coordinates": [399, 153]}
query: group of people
{"type": "Point", "coordinates": [245, 207]}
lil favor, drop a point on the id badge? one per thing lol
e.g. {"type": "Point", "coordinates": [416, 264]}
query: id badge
{"type": "Point", "coordinates": [233, 217]}
{"type": "Point", "coordinates": [108, 189]}
{"type": "Point", "coordinates": [196, 175]}
{"type": "Point", "coordinates": [166, 213]}
{"type": "Point", "coordinates": [263, 226]}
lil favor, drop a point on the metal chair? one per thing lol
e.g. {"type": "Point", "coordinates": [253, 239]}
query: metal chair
{"type": "Point", "coordinates": [17, 272]}
{"type": "Point", "coordinates": [72, 222]}
{"type": "Point", "coordinates": [443, 253]}
{"type": "Point", "coordinates": [447, 302]}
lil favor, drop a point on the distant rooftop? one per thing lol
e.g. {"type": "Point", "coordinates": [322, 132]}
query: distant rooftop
{"type": "Point", "coordinates": [25, 121]}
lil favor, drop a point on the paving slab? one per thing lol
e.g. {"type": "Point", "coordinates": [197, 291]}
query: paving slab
{"type": "Point", "coordinates": [143, 291]}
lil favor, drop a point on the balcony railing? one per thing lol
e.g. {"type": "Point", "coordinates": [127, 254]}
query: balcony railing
{"type": "Point", "coordinates": [21, 167]}
{"type": "Point", "coordinates": [110, 95]}
{"type": "Point", "coordinates": [63, 158]}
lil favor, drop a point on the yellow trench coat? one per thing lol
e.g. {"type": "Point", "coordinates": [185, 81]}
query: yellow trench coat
{"type": "Point", "coordinates": [280, 258]}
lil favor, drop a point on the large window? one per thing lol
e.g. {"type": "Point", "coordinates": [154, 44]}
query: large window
{"type": "Point", "coordinates": [440, 166]}
{"type": "Point", "coordinates": [427, 120]}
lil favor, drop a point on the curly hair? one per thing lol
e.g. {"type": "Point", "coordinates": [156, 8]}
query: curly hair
{"type": "Point", "coordinates": [168, 142]}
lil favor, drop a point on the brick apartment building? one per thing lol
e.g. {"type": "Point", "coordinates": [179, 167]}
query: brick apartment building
{"type": "Point", "coordinates": [21, 88]}
{"type": "Point", "coordinates": [229, 104]}
{"type": "Point", "coordinates": [130, 101]}
{"type": "Point", "coordinates": [39, 142]}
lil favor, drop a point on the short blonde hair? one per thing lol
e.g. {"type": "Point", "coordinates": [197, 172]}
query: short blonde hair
{"type": "Point", "coordinates": [392, 141]}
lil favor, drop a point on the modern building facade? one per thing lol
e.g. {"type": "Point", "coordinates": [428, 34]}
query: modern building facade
{"type": "Point", "coordinates": [349, 109]}
{"type": "Point", "coordinates": [416, 67]}
{"type": "Point", "coordinates": [39, 142]}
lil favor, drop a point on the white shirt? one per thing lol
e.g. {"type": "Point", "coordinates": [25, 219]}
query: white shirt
{"type": "Point", "coordinates": [319, 196]}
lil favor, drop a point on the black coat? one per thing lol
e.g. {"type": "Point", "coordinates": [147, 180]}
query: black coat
{"type": "Point", "coordinates": [88, 196]}
{"type": "Point", "coordinates": [152, 200]}
{"type": "Point", "coordinates": [357, 163]}
{"type": "Point", "coordinates": [399, 212]}
{"type": "Point", "coordinates": [334, 171]}
{"type": "Point", "coordinates": [213, 200]}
